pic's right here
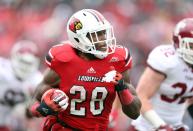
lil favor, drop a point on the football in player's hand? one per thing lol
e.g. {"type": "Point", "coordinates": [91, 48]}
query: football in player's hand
{"type": "Point", "coordinates": [58, 94]}
{"type": "Point", "coordinates": [56, 99]}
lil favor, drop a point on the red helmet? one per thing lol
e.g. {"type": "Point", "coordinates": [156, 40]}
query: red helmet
{"type": "Point", "coordinates": [183, 39]}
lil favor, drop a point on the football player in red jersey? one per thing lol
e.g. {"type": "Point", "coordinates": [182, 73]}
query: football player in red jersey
{"type": "Point", "coordinates": [90, 69]}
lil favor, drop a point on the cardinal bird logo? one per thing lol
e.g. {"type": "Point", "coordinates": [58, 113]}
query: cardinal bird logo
{"type": "Point", "coordinates": [75, 25]}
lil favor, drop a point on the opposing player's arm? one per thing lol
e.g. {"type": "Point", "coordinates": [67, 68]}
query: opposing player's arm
{"type": "Point", "coordinates": [148, 85]}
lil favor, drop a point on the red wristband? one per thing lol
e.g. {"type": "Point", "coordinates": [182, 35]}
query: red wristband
{"type": "Point", "coordinates": [34, 111]}
{"type": "Point", "coordinates": [125, 97]}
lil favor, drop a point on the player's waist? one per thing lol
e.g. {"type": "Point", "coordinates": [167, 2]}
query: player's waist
{"type": "Point", "coordinates": [86, 123]}
{"type": "Point", "coordinates": [57, 124]}
{"type": "Point", "coordinates": [66, 125]}
{"type": "Point", "coordinates": [96, 128]}
{"type": "Point", "coordinates": [52, 123]}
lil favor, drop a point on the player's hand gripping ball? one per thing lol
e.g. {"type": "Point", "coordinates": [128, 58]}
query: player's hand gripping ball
{"type": "Point", "coordinates": [56, 99]}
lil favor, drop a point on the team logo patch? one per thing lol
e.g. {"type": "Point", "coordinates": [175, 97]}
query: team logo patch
{"type": "Point", "coordinates": [75, 25]}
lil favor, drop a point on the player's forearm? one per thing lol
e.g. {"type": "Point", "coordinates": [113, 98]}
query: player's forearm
{"type": "Point", "coordinates": [36, 99]}
{"type": "Point", "coordinates": [149, 113]}
{"type": "Point", "coordinates": [34, 103]}
{"type": "Point", "coordinates": [132, 110]}
{"type": "Point", "coordinates": [146, 104]}
{"type": "Point", "coordinates": [131, 104]}
{"type": "Point", "coordinates": [50, 80]}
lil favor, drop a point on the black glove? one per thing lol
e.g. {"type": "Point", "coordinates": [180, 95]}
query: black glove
{"type": "Point", "coordinates": [45, 110]}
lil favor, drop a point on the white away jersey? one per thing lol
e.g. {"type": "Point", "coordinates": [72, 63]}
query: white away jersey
{"type": "Point", "coordinates": [12, 90]}
{"type": "Point", "coordinates": [169, 101]}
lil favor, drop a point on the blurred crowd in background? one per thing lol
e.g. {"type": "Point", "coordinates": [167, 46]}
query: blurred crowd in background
{"type": "Point", "coordinates": [140, 25]}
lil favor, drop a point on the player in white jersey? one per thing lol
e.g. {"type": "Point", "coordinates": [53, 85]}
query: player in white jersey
{"type": "Point", "coordinates": [166, 85]}
{"type": "Point", "coordinates": [19, 76]}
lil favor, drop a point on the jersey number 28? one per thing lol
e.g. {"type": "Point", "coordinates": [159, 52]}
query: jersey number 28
{"type": "Point", "coordinates": [94, 100]}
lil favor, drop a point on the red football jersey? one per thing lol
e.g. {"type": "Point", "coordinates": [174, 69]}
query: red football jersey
{"type": "Point", "coordinates": [90, 98]}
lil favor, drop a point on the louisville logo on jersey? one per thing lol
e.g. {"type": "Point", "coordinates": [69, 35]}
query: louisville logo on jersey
{"type": "Point", "coordinates": [75, 25]}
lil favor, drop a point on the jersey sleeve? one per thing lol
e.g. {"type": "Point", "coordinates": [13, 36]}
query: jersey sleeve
{"type": "Point", "coordinates": [159, 59]}
{"type": "Point", "coordinates": [125, 59]}
{"type": "Point", "coordinates": [61, 53]}
{"type": "Point", "coordinates": [50, 58]}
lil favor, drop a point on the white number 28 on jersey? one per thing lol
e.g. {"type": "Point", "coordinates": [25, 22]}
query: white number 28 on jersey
{"type": "Point", "coordinates": [82, 110]}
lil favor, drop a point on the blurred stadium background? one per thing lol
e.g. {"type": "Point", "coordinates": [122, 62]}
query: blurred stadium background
{"type": "Point", "coordinates": [138, 24]}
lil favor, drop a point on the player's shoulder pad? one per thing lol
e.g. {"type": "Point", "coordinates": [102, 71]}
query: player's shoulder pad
{"type": "Point", "coordinates": [162, 58]}
{"type": "Point", "coordinates": [60, 52]}
{"type": "Point", "coordinates": [123, 54]}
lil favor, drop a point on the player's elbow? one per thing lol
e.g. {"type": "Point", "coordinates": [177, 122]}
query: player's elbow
{"type": "Point", "coordinates": [131, 114]}
{"type": "Point", "coordinates": [132, 110]}
{"type": "Point", "coordinates": [135, 116]}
